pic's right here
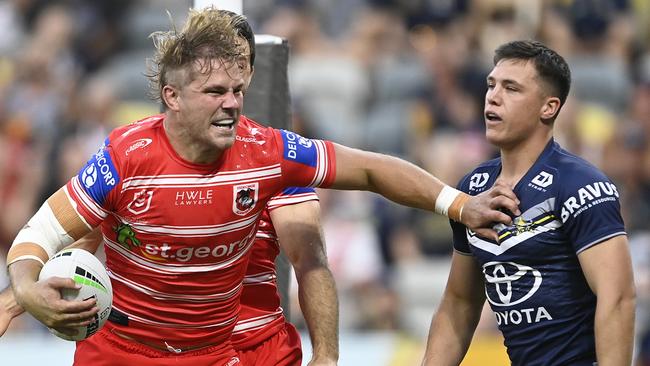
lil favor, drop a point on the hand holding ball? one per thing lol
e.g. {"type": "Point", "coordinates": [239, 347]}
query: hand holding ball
{"type": "Point", "coordinates": [89, 273]}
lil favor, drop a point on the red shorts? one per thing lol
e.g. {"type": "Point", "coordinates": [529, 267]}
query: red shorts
{"type": "Point", "coordinates": [107, 349]}
{"type": "Point", "coordinates": [283, 349]}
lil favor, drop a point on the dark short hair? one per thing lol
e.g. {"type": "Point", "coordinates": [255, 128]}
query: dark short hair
{"type": "Point", "coordinates": [550, 66]}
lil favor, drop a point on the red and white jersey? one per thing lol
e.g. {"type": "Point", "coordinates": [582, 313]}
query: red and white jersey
{"type": "Point", "coordinates": [261, 314]}
{"type": "Point", "coordinates": [178, 235]}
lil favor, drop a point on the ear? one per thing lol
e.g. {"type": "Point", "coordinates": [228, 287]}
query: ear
{"type": "Point", "coordinates": [170, 97]}
{"type": "Point", "coordinates": [550, 108]}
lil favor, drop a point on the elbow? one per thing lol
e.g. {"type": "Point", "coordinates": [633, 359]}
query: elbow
{"type": "Point", "coordinates": [304, 264]}
{"type": "Point", "coordinates": [311, 268]}
{"type": "Point", "coordinates": [624, 301]}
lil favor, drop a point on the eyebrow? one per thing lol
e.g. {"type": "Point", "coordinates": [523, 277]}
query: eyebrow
{"type": "Point", "coordinates": [504, 81]}
{"type": "Point", "coordinates": [223, 89]}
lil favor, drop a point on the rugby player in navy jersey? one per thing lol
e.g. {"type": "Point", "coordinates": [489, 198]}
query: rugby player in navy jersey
{"type": "Point", "coordinates": [559, 280]}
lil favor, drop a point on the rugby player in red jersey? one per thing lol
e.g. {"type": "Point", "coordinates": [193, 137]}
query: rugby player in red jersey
{"type": "Point", "coordinates": [262, 336]}
{"type": "Point", "coordinates": [176, 269]}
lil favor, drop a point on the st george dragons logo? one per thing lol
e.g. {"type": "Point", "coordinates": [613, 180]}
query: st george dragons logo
{"type": "Point", "coordinates": [126, 236]}
{"type": "Point", "coordinates": [244, 198]}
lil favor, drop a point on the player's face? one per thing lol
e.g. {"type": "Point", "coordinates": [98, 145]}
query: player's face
{"type": "Point", "coordinates": [211, 103]}
{"type": "Point", "coordinates": [513, 104]}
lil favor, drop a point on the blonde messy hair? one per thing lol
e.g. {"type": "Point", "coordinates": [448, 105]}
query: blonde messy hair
{"type": "Point", "coordinates": [209, 34]}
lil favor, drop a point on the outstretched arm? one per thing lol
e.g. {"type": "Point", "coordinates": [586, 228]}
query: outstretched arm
{"type": "Point", "coordinates": [454, 323]}
{"type": "Point", "coordinates": [608, 270]}
{"type": "Point", "coordinates": [407, 184]}
{"type": "Point", "coordinates": [300, 235]}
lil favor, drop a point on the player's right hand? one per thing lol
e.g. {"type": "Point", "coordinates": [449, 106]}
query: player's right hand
{"type": "Point", "coordinates": [482, 211]}
{"type": "Point", "coordinates": [43, 300]}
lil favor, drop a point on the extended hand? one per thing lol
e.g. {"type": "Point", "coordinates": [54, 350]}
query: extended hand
{"type": "Point", "coordinates": [481, 212]}
{"type": "Point", "coordinates": [43, 300]}
{"type": "Point", "coordinates": [9, 309]}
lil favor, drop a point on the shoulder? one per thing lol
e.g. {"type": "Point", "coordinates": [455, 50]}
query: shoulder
{"type": "Point", "coordinates": [572, 171]}
{"type": "Point", "coordinates": [137, 139]}
{"type": "Point", "coordinates": [141, 131]}
{"type": "Point", "coordinates": [249, 130]}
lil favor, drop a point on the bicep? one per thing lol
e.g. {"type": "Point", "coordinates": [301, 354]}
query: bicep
{"type": "Point", "coordinates": [607, 266]}
{"type": "Point", "coordinates": [67, 216]}
{"type": "Point", "coordinates": [299, 232]}
{"type": "Point", "coordinates": [351, 167]}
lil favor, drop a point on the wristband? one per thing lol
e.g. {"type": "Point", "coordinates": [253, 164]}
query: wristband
{"type": "Point", "coordinates": [450, 203]}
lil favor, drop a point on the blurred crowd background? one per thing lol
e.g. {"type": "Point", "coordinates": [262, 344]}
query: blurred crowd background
{"type": "Point", "coordinates": [403, 77]}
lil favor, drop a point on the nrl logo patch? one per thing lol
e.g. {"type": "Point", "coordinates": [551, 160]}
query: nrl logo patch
{"type": "Point", "coordinates": [141, 202]}
{"type": "Point", "coordinates": [244, 198]}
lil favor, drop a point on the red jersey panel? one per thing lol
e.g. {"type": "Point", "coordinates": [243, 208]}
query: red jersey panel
{"type": "Point", "coordinates": [261, 314]}
{"type": "Point", "coordinates": [178, 235]}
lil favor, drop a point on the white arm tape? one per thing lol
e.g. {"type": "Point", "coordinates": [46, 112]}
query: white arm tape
{"type": "Point", "coordinates": [445, 199]}
{"type": "Point", "coordinates": [44, 230]}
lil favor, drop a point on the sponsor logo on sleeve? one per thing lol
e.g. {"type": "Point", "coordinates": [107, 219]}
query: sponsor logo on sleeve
{"type": "Point", "coordinates": [478, 180]}
{"type": "Point", "coordinates": [245, 197]}
{"type": "Point", "coordinates": [587, 197]}
{"type": "Point", "coordinates": [138, 144]}
{"type": "Point", "coordinates": [99, 176]}
{"type": "Point", "coordinates": [299, 149]}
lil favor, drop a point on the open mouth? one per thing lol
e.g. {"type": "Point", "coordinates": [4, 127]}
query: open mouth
{"type": "Point", "coordinates": [226, 124]}
{"type": "Point", "coordinates": [492, 117]}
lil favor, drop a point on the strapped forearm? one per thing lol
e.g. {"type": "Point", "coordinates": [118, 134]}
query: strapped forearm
{"type": "Point", "coordinates": [54, 226]}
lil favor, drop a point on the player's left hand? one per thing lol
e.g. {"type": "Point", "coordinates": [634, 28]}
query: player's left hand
{"type": "Point", "coordinates": [482, 211]}
{"type": "Point", "coordinates": [9, 309]}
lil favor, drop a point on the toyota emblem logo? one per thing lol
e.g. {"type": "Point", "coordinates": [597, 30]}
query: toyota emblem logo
{"type": "Point", "coordinates": [509, 283]}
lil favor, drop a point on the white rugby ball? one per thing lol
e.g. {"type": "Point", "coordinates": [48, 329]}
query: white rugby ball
{"type": "Point", "coordinates": [88, 272]}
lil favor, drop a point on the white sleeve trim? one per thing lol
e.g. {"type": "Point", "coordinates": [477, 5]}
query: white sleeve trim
{"type": "Point", "coordinates": [600, 240]}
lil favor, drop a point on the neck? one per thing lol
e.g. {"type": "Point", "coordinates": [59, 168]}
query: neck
{"type": "Point", "coordinates": [187, 147]}
{"type": "Point", "coordinates": [517, 160]}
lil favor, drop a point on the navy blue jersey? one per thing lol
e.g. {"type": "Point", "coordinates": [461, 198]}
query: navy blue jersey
{"type": "Point", "coordinates": [533, 280]}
